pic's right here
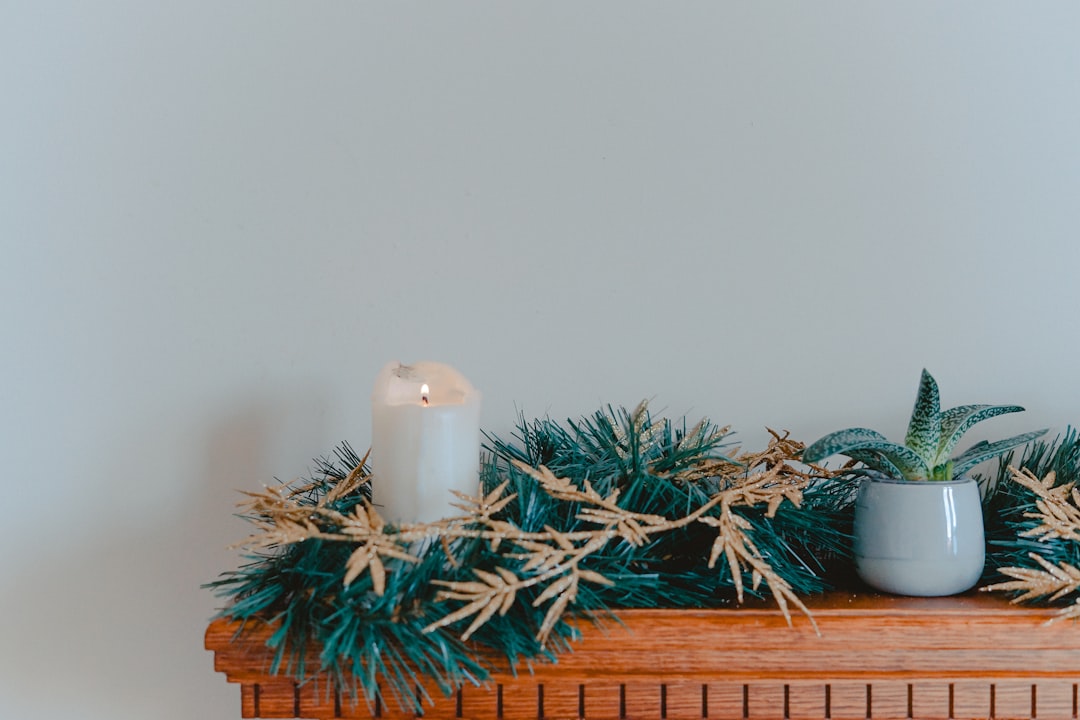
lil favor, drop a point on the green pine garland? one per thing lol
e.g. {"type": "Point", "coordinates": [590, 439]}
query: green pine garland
{"type": "Point", "coordinates": [1013, 519]}
{"type": "Point", "coordinates": [400, 619]}
{"type": "Point", "coordinates": [802, 542]}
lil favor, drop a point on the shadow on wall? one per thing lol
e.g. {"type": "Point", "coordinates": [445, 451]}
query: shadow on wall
{"type": "Point", "coordinates": [114, 628]}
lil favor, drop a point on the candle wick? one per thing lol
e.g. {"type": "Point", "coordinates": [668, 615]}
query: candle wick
{"type": "Point", "coordinates": [424, 400]}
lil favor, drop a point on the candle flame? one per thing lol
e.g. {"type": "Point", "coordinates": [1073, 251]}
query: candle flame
{"type": "Point", "coordinates": [424, 390]}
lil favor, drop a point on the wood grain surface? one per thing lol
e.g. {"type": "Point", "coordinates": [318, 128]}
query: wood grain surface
{"type": "Point", "coordinates": [876, 656]}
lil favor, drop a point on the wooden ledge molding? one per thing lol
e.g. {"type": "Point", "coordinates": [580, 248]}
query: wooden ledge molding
{"type": "Point", "coordinates": [970, 656]}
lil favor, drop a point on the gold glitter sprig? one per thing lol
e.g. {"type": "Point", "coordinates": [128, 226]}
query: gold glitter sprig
{"type": "Point", "coordinates": [1058, 513]}
{"type": "Point", "coordinates": [774, 481]}
{"type": "Point", "coordinates": [558, 561]}
{"type": "Point", "coordinates": [1058, 507]}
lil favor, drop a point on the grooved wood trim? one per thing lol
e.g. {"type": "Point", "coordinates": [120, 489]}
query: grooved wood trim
{"type": "Point", "coordinates": [970, 656]}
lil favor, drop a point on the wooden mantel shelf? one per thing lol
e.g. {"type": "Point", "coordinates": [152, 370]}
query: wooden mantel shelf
{"type": "Point", "coordinates": [971, 656]}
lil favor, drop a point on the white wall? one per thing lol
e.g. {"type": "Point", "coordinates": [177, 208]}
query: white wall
{"type": "Point", "coordinates": [219, 219]}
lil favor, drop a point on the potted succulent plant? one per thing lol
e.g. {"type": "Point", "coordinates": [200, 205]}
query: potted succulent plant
{"type": "Point", "coordinates": [918, 516]}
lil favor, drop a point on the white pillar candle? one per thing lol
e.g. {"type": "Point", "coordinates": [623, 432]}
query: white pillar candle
{"type": "Point", "coordinates": [425, 440]}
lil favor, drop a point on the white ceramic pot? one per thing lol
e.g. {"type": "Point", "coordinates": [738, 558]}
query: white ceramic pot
{"type": "Point", "coordinates": [919, 538]}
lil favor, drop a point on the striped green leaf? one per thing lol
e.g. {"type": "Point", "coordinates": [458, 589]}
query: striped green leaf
{"type": "Point", "coordinates": [943, 472]}
{"type": "Point", "coordinates": [924, 429]}
{"type": "Point", "coordinates": [982, 451]}
{"type": "Point", "coordinates": [875, 461]}
{"type": "Point", "coordinates": [958, 420]}
{"type": "Point", "coordinates": [843, 442]}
